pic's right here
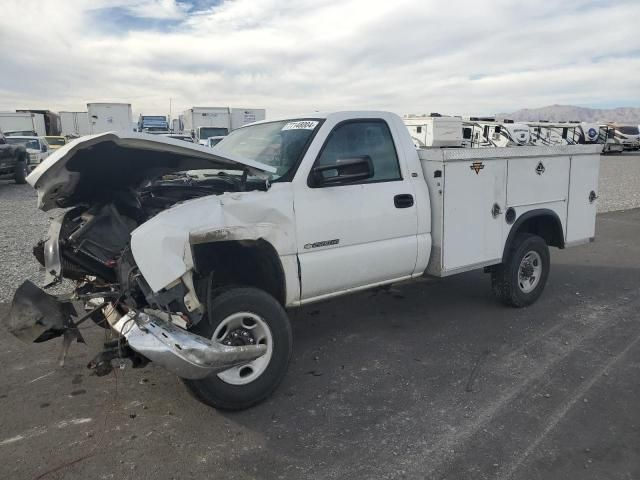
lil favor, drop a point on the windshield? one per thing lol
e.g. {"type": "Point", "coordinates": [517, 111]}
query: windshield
{"type": "Point", "coordinates": [32, 143]}
{"type": "Point", "coordinates": [56, 141]}
{"type": "Point", "coordinates": [206, 132]}
{"type": "Point", "coordinates": [277, 144]}
{"type": "Point", "coordinates": [629, 130]}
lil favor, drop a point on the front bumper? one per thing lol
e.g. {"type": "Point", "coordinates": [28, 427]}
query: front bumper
{"type": "Point", "coordinates": [36, 316]}
{"type": "Point", "coordinates": [179, 351]}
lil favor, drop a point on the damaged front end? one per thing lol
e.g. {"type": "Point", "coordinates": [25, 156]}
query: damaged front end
{"type": "Point", "coordinates": [89, 245]}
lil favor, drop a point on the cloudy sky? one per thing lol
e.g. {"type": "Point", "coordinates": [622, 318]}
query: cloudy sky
{"type": "Point", "coordinates": [456, 57]}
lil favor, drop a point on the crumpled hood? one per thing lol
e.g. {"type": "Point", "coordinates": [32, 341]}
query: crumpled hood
{"type": "Point", "coordinates": [93, 167]}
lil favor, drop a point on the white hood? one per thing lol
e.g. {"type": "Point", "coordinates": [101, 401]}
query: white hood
{"type": "Point", "coordinates": [95, 166]}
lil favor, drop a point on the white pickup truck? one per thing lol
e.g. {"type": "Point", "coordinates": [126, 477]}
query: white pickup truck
{"type": "Point", "coordinates": [193, 255]}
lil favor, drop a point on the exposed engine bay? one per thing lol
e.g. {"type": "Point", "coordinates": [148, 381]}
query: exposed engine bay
{"type": "Point", "coordinates": [93, 242]}
{"type": "Point", "coordinates": [89, 244]}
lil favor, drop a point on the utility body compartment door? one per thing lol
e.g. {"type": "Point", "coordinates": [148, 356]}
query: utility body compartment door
{"type": "Point", "coordinates": [583, 191]}
{"type": "Point", "coordinates": [473, 211]}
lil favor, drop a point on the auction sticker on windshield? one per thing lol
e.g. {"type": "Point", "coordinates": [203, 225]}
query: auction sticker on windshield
{"type": "Point", "coordinates": [301, 125]}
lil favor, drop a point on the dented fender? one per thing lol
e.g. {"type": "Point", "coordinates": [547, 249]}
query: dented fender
{"type": "Point", "coordinates": [162, 249]}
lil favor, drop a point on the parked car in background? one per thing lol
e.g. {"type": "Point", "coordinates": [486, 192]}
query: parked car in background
{"type": "Point", "coordinates": [13, 161]}
{"type": "Point", "coordinates": [55, 142]}
{"type": "Point", "coordinates": [37, 148]}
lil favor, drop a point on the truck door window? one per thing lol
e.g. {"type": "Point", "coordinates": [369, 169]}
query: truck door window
{"type": "Point", "coordinates": [363, 137]}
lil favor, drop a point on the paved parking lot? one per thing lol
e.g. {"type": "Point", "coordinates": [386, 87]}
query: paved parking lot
{"type": "Point", "coordinates": [426, 380]}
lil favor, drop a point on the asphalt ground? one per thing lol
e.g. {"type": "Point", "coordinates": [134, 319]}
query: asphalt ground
{"type": "Point", "coordinates": [432, 379]}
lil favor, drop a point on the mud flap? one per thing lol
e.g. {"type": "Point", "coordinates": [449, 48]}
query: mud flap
{"type": "Point", "coordinates": [36, 316]}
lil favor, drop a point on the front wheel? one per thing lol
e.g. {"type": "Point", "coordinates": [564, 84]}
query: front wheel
{"type": "Point", "coordinates": [244, 316]}
{"type": "Point", "coordinates": [520, 280]}
{"type": "Point", "coordinates": [21, 172]}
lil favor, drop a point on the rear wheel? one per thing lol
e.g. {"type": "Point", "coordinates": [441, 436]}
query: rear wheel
{"type": "Point", "coordinates": [244, 316]}
{"type": "Point", "coordinates": [520, 280]}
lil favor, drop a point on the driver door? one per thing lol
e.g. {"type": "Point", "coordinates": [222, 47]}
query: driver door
{"type": "Point", "coordinates": [358, 233]}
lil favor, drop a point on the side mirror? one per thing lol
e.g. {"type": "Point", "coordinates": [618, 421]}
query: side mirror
{"type": "Point", "coordinates": [44, 148]}
{"type": "Point", "coordinates": [343, 171]}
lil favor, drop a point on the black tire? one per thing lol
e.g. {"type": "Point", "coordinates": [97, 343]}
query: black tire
{"type": "Point", "coordinates": [21, 172]}
{"type": "Point", "coordinates": [217, 393]}
{"type": "Point", "coordinates": [505, 277]}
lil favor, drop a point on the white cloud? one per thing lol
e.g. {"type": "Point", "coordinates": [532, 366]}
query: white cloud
{"type": "Point", "coordinates": [405, 56]}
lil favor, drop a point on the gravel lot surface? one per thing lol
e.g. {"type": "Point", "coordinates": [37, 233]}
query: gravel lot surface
{"type": "Point", "coordinates": [619, 182]}
{"type": "Point", "coordinates": [429, 380]}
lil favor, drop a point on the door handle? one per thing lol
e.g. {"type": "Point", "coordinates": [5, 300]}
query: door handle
{"type": "Point", "coordinates": [403, 200]}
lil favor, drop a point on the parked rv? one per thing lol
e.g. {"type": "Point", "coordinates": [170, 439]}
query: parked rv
{"type": "Point", "coordinates": [109, 117]}
{"type": "Point", "coordinates": [628, 136]}
{"type": "Point", "coordinates": [434, 131]}
{"type": "Point", "coordinates": [608, 139]}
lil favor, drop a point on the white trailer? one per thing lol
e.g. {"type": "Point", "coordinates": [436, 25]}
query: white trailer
{"type": "Point", "coordinates": [22, 123]}
{"type": "Point", "coordinates": [435, 131]}
{"type": "Point", "coordinates": [243, 116]}
{"type": "Point", "coordinates": [109, 117]}
{"type": "Point", "coordinates": [74, 124]}
{"type": "Point", "coordinates": [206, 122]}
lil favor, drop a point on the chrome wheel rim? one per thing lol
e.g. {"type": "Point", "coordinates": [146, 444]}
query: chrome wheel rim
{"type": "Point", "coordinates": [244, 328]}
{"type": "Point", "coordinates": [529, 272]}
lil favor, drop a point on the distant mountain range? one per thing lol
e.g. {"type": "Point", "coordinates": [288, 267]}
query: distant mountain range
{"type": "Point", "coordinates": [557, 113]}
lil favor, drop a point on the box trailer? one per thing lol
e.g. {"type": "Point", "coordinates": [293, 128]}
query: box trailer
{"type": "Point", "coordinates": [205, 122]}
{"type": "Point", "coordinates": [243, 116]}
{"type": "Point", "coordinates": [51, 120]}
{"type": "Point", "coordinates": [109, 117]}
{"type": "Point", "coordinates": [74, 124]}
{"type": "Point", "coordinates": [22, 123]}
